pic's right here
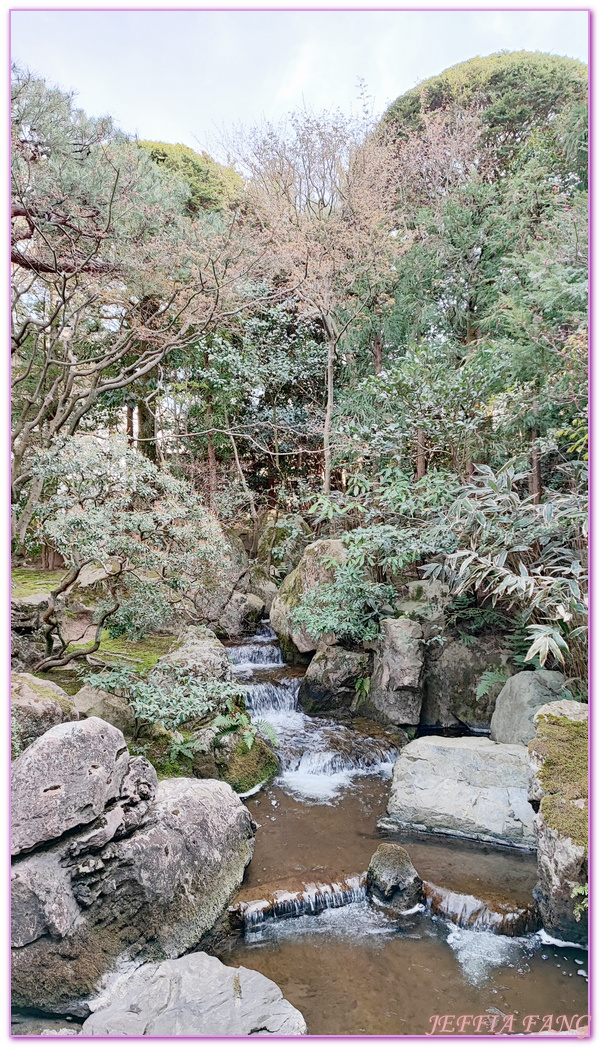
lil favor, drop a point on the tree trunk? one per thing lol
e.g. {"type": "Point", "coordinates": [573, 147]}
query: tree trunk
{"type": "Point", "coordinates": [377, 351]}
{"type": "Point", "coordinates": [146, 431]}
{"type": "Point", "coordinates": [421, 461]}
{"type": "Point", "coordinates": [535, 484]}
{"type": "Point", "coordinates": [211, 461]}
{"type": "Point", "coordinates": [249, 496]}
{"type": "Point", "coordinates": [130, 425]}
{"type": "Point", "coordinates": [328, 415]}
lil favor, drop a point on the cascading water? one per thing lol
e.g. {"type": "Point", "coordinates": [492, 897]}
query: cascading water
{"type": "Point", "coordinates": [473, 942]}
{"type": "Point", "coordinates": [319, 757]}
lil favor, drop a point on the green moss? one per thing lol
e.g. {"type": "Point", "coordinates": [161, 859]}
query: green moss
{"type": "Point", "coordinates": [248, 768]}
{"type": "Point", "coordinates": [563, 746]}
{"type": "Point", "coordinates": [157, 752]}
{"type": "Point", "coordinates": [68, 679]}
{"type": "Point", "coordinates": [137, 654]}
{"type": "Point", "coordinates": [26, 581]}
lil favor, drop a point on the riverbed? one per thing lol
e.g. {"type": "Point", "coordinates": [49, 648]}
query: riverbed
{"type": "Point", "coordinates": [351, 968]}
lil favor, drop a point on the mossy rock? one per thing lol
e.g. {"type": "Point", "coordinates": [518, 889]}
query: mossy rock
{"type": "Point", "coordinates": [562, 746]}
{"type": "Point", "coordinates": [246, 768]}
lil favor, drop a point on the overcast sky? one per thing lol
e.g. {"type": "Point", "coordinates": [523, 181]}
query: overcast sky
{"type": "Point", "coordinates": [178, 75]}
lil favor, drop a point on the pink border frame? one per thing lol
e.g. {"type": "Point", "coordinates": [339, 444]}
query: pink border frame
{"type": "Point", "coordinates": [592, 427]}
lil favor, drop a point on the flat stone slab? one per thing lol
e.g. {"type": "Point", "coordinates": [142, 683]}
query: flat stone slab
{"type": "Point", "coordinates": [196, 995]}
{"type": "Point", "coordinates": [468, 787]}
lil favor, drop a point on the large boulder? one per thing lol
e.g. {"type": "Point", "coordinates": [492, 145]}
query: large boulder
{"type": "Point", "coordinates": [329, 684]}
{"type": "Point", "coordinates": [201, 653]}
{"type": "Point", "coordinates": [282, 541]}
{"type": "Point", "coordinates": [558, 792]}
{"type": "Point", "coordinates": [240, 616]}
{"type": "Point", "coordinates": [312, 572]}
{"type": "Point", "coordinates": [196, 995]}
{"type": "Point", "coordinates": [65, 779]}
{"type": "Point", "coordinates": [392, 878]}
{"type": "Point", "coordinates": [453, 672]}
{"type": "Point", "coordinates": [37, 705]}
{"type": "Point", "coordinates": [467, 787]}
{"type": "Point", "coordinates": [396, 692]}
{"type": "Point", "coordinates": [116, 710]}
{"type": "Point", "coordinates": [146, 875]}
{"type": "Point", "coordinates": [518, 701]}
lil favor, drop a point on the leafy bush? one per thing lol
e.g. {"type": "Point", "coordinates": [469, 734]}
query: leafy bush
{"type": "Point", "coordinates": [169, 697]}
{"type": "Point", "coordinates": [350, 606]}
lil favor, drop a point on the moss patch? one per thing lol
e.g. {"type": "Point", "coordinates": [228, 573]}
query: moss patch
{"type": "Point", "coordinates": [140, 655]}
{"type": "Point", "coordinates": [157, 752]}
{"type": "Point", "coordinates": [563, 746]}
{"type": "Point", "coordinates": [247, 768]}
{"type": "Point", "coordinates": [26, 581]}
{"type": "Point", "coordinates": [68, 679]}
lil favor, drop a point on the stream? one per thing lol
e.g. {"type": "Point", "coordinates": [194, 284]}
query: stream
{"type": "Point", "coordinates": [304, 920]}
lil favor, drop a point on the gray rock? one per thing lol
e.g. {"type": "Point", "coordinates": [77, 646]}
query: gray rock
{"type": "Point", "coordinates": [65, 779]}
{"type": "Point", "coordinates": [329, 683]}
{"type": "Point", "coordinates": [518, 701]}
{"type": "Point", "coordinates": [25, 651]}
{"type": "Point", "coordinates": [311, 572]}
{"type": "Point", "coordinates": [201, 653]}
{"type": "Point", "coordinates": [42, 901]}
{"type": "Point", "coordinates": [240, 616]}
{"type": "Point", "coordinates": [37, 705]}
{"type": "Point", "coordinates": [262, 586]}
{"type": "Point", "coordinates": [110, 707]}
{"type": "Point", "coordinates": [452, 674]}
{"type": "Point", "coordinates": [470, 787]}
{"type": "Point", "coordinates": [561, 802]}
{"type": "Point", "coordinates": [393, 879]}
{"type": "Point", "coordinates": [396, 692]}
{"type": "Point", "coordinates": [195, 995]}
{"type": "Point", "coordinates": [148, 879]}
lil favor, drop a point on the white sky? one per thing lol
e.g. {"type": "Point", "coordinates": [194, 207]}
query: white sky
{"type": "Point", "coordinates": [178, 76]}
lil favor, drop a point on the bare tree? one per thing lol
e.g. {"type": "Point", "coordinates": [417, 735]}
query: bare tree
{"type": "Point", "coordinates": [322, 190]}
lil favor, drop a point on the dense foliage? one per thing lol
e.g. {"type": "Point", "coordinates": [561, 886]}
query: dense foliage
{"type": "Point", "coordinates": [380, 328]}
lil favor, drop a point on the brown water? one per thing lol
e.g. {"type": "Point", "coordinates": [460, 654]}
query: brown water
{"type": "Point", "coordinates": [353, 970]}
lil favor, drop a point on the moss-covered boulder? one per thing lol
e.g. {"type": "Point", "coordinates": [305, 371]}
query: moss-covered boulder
{"type": "Point", "coordinates": [228, 758]}
{"type": "Point", "coordinates": [558, 791]}
{"type": "Point", "coordinates": [282, 541]}
{"type": "Point", "coordinates": [312, 572]}
{"type": "Point", "coordinates": [36, 706]}
{"type": "Point", "coordinates": [453, 673]}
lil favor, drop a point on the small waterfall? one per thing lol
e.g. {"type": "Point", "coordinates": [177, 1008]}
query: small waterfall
{"type": "Point", "coordinates": [312, 898]}
{"type": "Point", "coordinates": [264, 699]}
{"type": "Point", "coordinates": [255, 655]}
{"type": "Point", "coordinates": [318, 757]}
{"type": "Point", "coordinates": [473, 914]}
